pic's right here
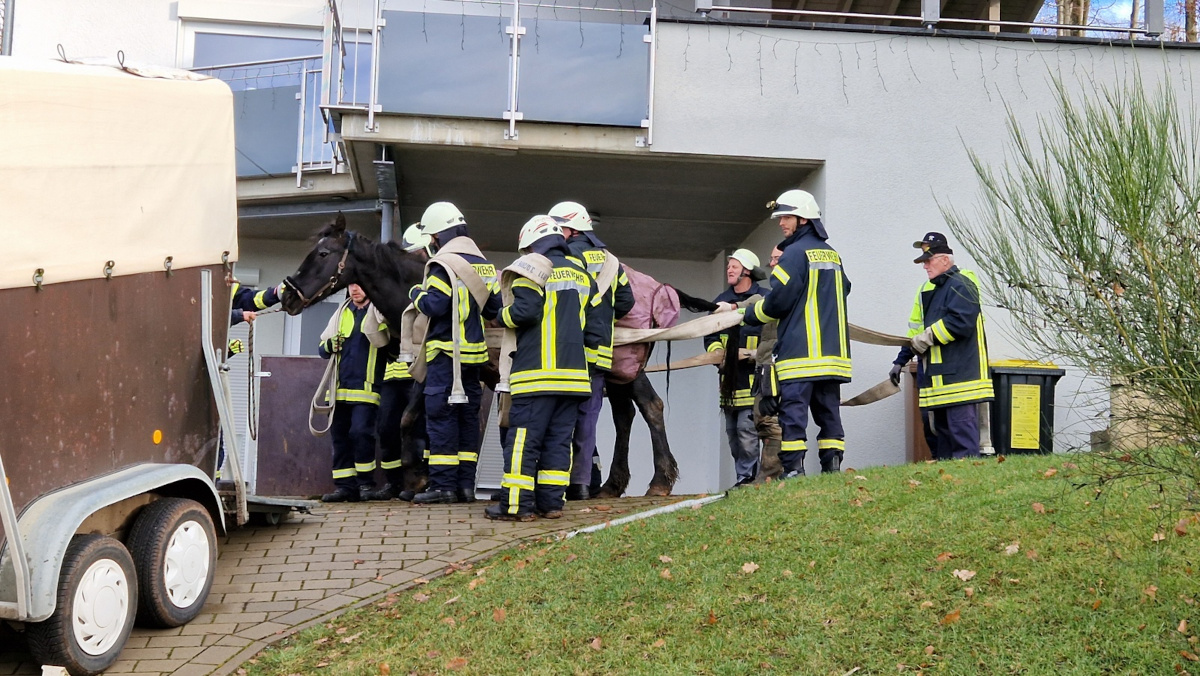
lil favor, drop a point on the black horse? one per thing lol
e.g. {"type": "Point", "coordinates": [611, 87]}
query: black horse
{"type": "Point", "coordinates": [386, 273]}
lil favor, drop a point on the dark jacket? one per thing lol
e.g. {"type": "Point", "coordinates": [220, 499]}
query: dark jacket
{"type": "Point", "coordinates": [808, 299]}
{"type": "Point", "coordinates": [742, 397]}
{"type": "Point", "coordinates": [607, 306]}
{"type": "Point", "coordinates": [550, 358]}
{"type": "Point", "coordinates": [246, 298]}
{"type": "Point", "coordinates": [434, 302]}
{"type": "Point", "coordinates": [955, 369]}
{"type": "Point", "coordinates": [361, 367]}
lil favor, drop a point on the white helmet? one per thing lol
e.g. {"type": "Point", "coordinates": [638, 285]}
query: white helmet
{"type": "Point", "coordinates": [795, 203]}
{"type": "Point", "coordinates": [746, 257]}
{"type": "Point", "coordinates": [415, 239]}
{"type": "Point", "coordinates": [537, 228]}
{"type": "Point", "coordinates": [571, 215]}
{"type": "Point", "coordinates": [441, 216]}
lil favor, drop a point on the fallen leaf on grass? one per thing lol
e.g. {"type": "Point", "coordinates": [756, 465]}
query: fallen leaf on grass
{"type": "Point", "coordinates": [1050, 472]}
{"type": "Point", "coordinates": [319, 665]}
{"type": "Point", "coordinates": [340, 631]}
{"type": "Point", "coordinates": [787, 573]}
{"type": "Point", "coordinates": [499, 615]}
{"type": "Point", "coordinates": [929, 650]}
{"type": "Point", "coordinates": [384, 669]}
{"type": "Point", "coordinates": [1151, 591]}
{"type": "Point", "coordinates": [603, 508]}
{"type": "Point", "coordinates": [926, 605]}
{"type": "Point", "coordinates": [596, 644]}
{"type": "Point", "coordinates": [570, 558]}
{"type": "Point", "coordinates": [1039, 508]}
{"type": "Point", "coordinates": [860, 477]}
{"type": "Point", "coordinates": [1191, 657]}
{"type": "Point", "coordinates": [914, 483]}
{"type": "Point", "coordinates": [321, 641]}
{"type": "Point", "coordinates": [475, 583]}
{"type": "Point", "coordinates": [749, 567]}
{"type": "Point", "coordinates": [1182, 628]}
{"type": "Point", "coordinates": [944, 557]}
{"type": "Point", "coordinates": [1158, 537]}
{"type": "Point", "coordinates": [449, 621]}
{"type": "Point", "coordinates": [420, 580]}
{"type": "Point", "coordinates": [658, 644]}
{"type": "Point", "coordinates": [1181, 527]}
{"type": "Point", "coordinates": [963, 575]}
{"type": "Point", "coordinates": [1012, 549]}
{"type": "Point", "coordinates": [712, 617]}
{"type": "Point", "coordinates": [1030, 554]}
{"type": "Point", "coordinates": [457, 663]}
{"type": "Point", "coordinates": [352, 638]}
{"type": "Point", "coordinates": [359, 562]}
{"type": "Point", "coordinates": [704, 548]}
{"type": "Point", "coordinates": [1000, 459]}
{"type": "Point", "coordinates": [969, 591]}
{"type": "Point", "coordinates": [951, 618]}
{"type": "Point", "coordinates": [665, 559]}
{"type": "Point", "coordinates": [666, 574]}
{"type": "Point", "coordinates": [420, 598]}
{"type": "Point", "coordinates": [1096, 605]}
{"type": "Point", "coordinates": [433, 653]}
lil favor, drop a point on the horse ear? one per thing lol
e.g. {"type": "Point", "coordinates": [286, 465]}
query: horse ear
{"type": "Point", "coordinates": [339, 224]}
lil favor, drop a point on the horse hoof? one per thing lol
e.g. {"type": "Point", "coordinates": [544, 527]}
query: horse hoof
{"type": "Point", "coordinates": [658, 491]}
{"type": "Point", "coordinates": [607, 494]}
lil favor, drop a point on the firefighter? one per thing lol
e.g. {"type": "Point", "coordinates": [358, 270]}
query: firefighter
{"type": "Point", "coordinates": [946, 330]}
{"type": "Point", "coordinates": [607, 306]}
{"type": "Point", "coordinates": [395, 394]}
{"type": "Point", "coordinates": [360, 369]}
{"type": "Point", "coordinates": [456, 317]}
{"type": "Point", "coordinates": [812, 352]}
{"type": "Point", "coordinates": [737, 401]}
{"type": "Point", "coordinates": [549, 378]}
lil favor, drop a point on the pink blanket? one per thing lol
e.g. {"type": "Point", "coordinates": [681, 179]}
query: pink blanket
{"type": "Point", "coordinates": [655, 306]}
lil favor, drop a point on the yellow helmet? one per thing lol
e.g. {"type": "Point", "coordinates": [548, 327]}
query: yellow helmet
{"type": "Point", "coordinates": [571, 215]}
{"type": "Point", "coordinates": [797, 203]}
{"type": "Point", "coordinates": [537, 228]}
{"type": "Point", "coordinates": [441, 216]}
{"type": "Point", "coordinates": [415, 239]}
{"type": "Point", "coordinates": [746, 257]}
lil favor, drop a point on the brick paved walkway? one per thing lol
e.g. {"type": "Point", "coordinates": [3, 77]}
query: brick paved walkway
{"type": "Point", "coordinates": [274, 581]}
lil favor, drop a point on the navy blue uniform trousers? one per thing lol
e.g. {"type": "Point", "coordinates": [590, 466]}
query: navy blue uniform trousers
{"type": "Point", "coordinates": [452, 429]}
{"type": "Point", "coordinates": [394, 397]}
{"type": "Point", "coordinates": [957, 429]}
{"type": "Point", "coordinates": [353, 432]}
{"type": "Point", "coordinates": [538, 448]}
{"type": "Point", "coordinates": [824, 397]}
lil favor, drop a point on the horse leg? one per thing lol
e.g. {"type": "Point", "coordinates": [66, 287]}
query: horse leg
{"type": "Point", "coordinates": [412, 441]}
{"type": "Point", "coordinates": [619, 398]}
{"type": "Point", "coordinates": [666, 471]}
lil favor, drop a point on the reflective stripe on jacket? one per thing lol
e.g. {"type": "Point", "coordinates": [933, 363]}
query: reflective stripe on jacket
{"type": "Point", "coordinates": [808, 299]}
{"type": "Point", "coordinates": [607, 305]}
{"type": "Point", "coordinates": [360, 367]}
{"type": "Point", "coordinates": [396, 370]}
{"type": "Point", "coordinates": [749, 339]}
{"type": "Point", "coordinates": [550, 324]}
{"type": "Point", "coordinates": [955, 369]}
{"type": "Point", "coordinates": [434, 302]}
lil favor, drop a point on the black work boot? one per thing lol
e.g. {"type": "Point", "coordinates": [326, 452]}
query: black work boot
{"type": "Point", "coordinates": [387, 492]}
{"type": "Point", "coordinates": [406, 495]}
{"type": "Point", "coordinates": [432, 497]}
{"type": "Point", "coordinates": [578, 492]}
{"type": "Point", "coordinates": [341, 495]}
{"type": "Point", "coordinates": [498, 513]}
{"type": "Point", "coordinates": [831, 461]}
{"type": "Point", "coordinates": [466, 495]}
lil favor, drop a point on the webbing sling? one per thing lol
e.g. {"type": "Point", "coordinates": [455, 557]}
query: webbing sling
{"type": "Point", "coordinates": [327, 388]}
{"type": "Point", "coordinates": [608, 273]}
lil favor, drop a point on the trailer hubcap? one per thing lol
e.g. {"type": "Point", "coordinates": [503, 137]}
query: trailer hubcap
{"type": "Point", "coordinates": [101, 607]}
{"type": "Point", "coordinates": [186, 569]}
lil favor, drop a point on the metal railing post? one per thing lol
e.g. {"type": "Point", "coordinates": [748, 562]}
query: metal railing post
{"type": "Point", "coordinates": [373, 105]}
{"type": "Point", "coordinates": [515, 31]}
{"type": "Point", "coordinates": [931, 12]}
{"type": "Point", "coordinates": [16, 548]}
{"type": "Point", "coordinates": [218, 380]}
{"type": "Point", "coordinates": [650, 39]}
{"type": "Point", "coordinates": [1154, 18]}
{"type": "Point", "coordinates": [300, 127]}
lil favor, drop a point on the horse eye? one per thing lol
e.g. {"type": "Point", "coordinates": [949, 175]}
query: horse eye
{"type": "Point", "coordinates": [324, 254]}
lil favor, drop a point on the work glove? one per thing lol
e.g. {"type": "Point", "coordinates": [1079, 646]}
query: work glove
{"type": "Point", "coordinates": [236, 347]}
{"type": "Point", "coordinates": [335, 343]}
{"type": "Point", "coordinates": [725, 307]}
{"type": "Point", "coordinates": [768, 407]}
{"type": "Point", "coordinates": [414, 292]}
{"type": "Point", "coordinates": [894, 374]}
{"type": "Point", "coordinates": [923, 341]}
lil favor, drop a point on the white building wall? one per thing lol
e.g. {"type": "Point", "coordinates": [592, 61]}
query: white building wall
{"type": "Point", "coordinates": [891, 117]}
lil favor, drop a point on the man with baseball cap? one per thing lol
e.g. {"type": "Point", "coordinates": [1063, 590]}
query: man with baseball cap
{"type": "Point", "coordinates": [946, 330]}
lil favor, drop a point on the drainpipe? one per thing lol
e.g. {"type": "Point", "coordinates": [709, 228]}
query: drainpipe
{"type": "Point", "coordinates": [6, 24]}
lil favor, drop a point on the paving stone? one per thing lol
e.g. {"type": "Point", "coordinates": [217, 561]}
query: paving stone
{"type": "Point", "coordinates": [263, 630]}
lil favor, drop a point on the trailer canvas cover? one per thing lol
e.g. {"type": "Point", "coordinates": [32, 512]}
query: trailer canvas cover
{"type": "Point", "coordinates": [103, 165]}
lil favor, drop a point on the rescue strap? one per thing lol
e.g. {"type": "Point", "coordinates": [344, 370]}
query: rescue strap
{"type": "Point", "coordinates": [608, 272]}
{"type": "Point", "coordinates": [324, 400]}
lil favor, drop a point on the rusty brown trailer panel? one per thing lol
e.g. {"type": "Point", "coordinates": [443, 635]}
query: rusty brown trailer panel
{"type": "Point", "coordinates": [105, 373]}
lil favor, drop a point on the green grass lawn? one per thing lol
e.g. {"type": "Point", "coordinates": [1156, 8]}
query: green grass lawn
{"type": "Point", "coordinates": [969, 567]}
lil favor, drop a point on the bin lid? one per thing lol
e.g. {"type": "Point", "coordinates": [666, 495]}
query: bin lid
{"type": "Point", "coordinates": [1030, 366]}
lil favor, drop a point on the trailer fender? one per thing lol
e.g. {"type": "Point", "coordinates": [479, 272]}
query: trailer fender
{"type": "Point", "coordinates": [48, 523]}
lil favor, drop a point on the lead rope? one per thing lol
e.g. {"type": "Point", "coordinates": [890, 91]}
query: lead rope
{"type": "Point", "coordinates": [252, 397]}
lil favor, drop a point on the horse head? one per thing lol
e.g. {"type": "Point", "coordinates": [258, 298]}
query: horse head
{"type": "Point", "coordinates": [326, 269]}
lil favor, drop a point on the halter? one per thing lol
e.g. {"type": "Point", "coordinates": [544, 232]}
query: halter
{"type": "Point", "coordinates": [333, 279]}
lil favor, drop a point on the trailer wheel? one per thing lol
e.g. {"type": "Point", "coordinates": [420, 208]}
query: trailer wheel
{"type": "Point", "coordinates": [174, 548]}
{"type": "Point", "coordinates": [97, 600]}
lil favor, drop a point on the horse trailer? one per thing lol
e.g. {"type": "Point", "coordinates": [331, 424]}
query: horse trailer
{"type": "Point", "coordinates": [119, 201]}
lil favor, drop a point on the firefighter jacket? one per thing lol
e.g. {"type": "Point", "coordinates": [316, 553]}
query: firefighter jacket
{"type": "Point", "coordinates": [955, 369]}
{"type": "Point", "coordinates": [607, 306]}
{"type": "Point", "coordinates": [361, 366]}
{"type": "Point", "coordinates": [808, 299]}
{"type": "Point", "coordinates": [550, 322]}
{"type": "Point", "coordinates": [916, 320]}
{"type": "Point", "coordinates": [742, 396]}
{"type": "Point", "coordinates": [245, 298]}
{"type": "Point", "coordinates": [434, 302]}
